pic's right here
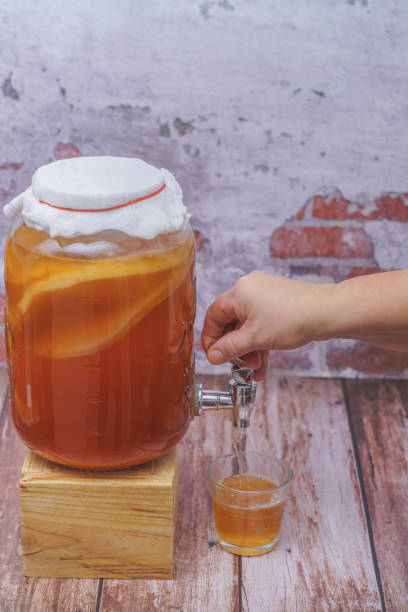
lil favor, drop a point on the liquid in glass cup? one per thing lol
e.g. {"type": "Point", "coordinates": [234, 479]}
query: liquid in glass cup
{"type": "Point", "coordinates": [249, 502]}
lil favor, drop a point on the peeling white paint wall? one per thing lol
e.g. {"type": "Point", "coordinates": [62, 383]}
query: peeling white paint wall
{"type": "Point", "coordinates": [254, 105]}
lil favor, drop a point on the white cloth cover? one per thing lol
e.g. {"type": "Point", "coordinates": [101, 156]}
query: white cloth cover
{"type": "Point", "coordinates": [94, 184]}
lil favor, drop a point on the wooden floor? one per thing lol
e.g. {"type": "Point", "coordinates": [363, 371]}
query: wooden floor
{"type": "Point", "coordinates": [344, 543]}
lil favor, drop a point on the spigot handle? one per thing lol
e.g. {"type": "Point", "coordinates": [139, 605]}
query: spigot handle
{"type": "Point", "coordinates": [243, 391]}
{"type": "Point", "coordinates": [241, 372]}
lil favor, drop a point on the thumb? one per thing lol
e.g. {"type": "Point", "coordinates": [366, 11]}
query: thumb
{"type": "Point", "coordinates": [234, 344]}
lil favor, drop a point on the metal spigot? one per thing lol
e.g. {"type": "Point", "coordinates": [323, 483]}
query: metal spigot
{"type": "Point", "coordinates": [239, 398]}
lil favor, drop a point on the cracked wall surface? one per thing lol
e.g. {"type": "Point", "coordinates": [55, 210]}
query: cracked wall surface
{"type": "Point", "coordinates": [259, 108]}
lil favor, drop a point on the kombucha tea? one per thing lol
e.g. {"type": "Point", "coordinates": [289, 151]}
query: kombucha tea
{"type": "Point", "coordinates": [100, 346]}
{"type": "Point", "coordinates": [247, 521]}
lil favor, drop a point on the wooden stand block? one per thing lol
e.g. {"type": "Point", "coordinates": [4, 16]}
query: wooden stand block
{"type": "Point", "coordinates": [81, 524]}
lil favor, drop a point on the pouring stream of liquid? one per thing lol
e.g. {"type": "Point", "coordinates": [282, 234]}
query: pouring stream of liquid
{"type": "Point", "coordinates": [244, 375]}
{"type": "Point", "coordinates": [239, 442]}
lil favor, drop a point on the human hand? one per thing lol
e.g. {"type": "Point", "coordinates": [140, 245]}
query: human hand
{"type": "Point", "coordinates": [262, 312]}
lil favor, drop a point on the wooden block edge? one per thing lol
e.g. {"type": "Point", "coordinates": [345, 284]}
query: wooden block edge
{"type": "Point", "coordinates": [29, 473]}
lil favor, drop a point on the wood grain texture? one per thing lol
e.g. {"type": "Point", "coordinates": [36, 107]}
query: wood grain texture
{"type": "Point", "coordinates": [117, 524]}
{"type": "Point", "coordinates": [161, 469]}
{"type": "Point", "coordinates": [205, 577]}
{"type": "Point", "coordinates": [17, 593]}
{"type": "Point", "coordinates": [323, 561]}
{"type": "Point", "coordinates": [379, 416]}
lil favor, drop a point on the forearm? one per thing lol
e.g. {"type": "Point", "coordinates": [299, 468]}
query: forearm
{"type": "Point", "coordinates": [282, 314]}
{"type": "Point", "coordinates": [372, 308]}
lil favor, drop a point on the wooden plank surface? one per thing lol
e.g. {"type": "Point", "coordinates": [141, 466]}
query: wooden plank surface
{"type": "Point", "coordinates": [323, 561]}
{"type": "Point", "coordinates": [206, 578]}
{"type": "Point", "coordinates": [18, 593]}
{"type": "Point", "coordinates": [379, 415]}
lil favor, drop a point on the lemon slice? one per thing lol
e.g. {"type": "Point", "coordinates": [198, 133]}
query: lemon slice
{"type": "Point", "coordinates": [71, 274]}
{"type": "Point", "coordinates": [102, 331]}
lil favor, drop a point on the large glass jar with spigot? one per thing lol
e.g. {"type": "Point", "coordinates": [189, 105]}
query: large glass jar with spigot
{"type": "Point", "coordinates": [99, 270]}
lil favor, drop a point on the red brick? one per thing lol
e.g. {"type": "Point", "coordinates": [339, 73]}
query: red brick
{"type": "Point", "coordinates": [365, 358]}
{"type": "Point", "coordinates": [300, 215]}
{"type": "Point", "coordinates": [65, 150]}
{"type": "Point", "coordinates": [341, 242]}
{"type": "Point", "coordinates": [11, 166]}
{"type": "Point", "coordinates": [288, 360]}
{"type": "Point", "coordinates": [330, 208]}
{"type": "Point", "coordinates": [199, 239]}
{"type": "Point", "coordinates": [392, 208]}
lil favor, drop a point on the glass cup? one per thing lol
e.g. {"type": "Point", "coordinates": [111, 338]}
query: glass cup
{"type": "Point", "coordinates": [248, 497]}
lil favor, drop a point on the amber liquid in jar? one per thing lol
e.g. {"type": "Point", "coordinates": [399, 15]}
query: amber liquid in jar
{"type": "Point", "coordinates": [247, 521]}
{"type": "Point", "coordinates": [100, 347]}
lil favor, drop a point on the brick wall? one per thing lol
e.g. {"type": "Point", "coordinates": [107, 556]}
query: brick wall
{"type": "Point", "coordinates": [331, 239]}
{"type": "Point", "coordinates": [254, 107]}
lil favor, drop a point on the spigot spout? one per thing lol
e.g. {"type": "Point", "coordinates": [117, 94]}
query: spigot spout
{"type": "Point", "coordinates": [205, 399]}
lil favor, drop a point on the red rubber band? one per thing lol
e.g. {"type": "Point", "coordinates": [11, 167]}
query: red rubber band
{"type": "Point", "coordinates": [104, 209]}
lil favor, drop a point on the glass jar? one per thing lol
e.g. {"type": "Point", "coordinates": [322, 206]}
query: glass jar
{"type": "Point", "coordinates": [99, 334]}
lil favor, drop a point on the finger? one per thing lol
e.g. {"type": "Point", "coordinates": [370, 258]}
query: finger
{"type": "Point", "coordinates": [253, 359]}
{"type": "Point", "coordinates": [261, 372]}
{"type": "Point", "coordinates": [234, 344]}
{"type": "Point", "coordinates": [219, 317]}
